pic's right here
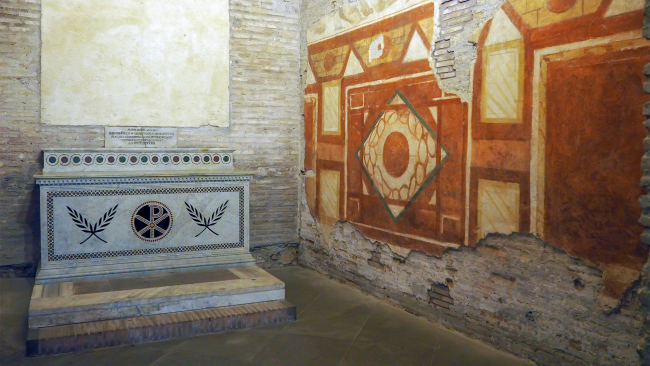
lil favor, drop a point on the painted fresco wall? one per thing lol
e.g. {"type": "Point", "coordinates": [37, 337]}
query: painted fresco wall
{"type": "Point", "coordinates": [545, 136]}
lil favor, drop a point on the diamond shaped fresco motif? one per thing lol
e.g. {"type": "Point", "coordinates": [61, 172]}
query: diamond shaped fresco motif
{"type": "Point", "coordinates": [400, 156]}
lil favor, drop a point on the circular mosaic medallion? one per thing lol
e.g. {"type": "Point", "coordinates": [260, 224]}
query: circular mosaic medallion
{"type": "Point", "coordinates": [64, 159]}
{"type": "Point", "coordinates": [186, 159]}
{"type": "Point", "coordinates": [165, 159]}
{"type": "Point", "coordinates": [216, 159]}
{"type": "Point", "coordinates": [76, 159]}
{"type": "Point", "coordinates": [206, 158]}
{"type": "Point", "coordinates": [122, 159]}
{"type": "Point", "coordinates": [226, 158]}
{"type": "Point", "coordinates": [151, 221]}
{"type": "Point", "coordinates": [52, 159]}
{"type": "Point", "coordinates": [144, 159]}
{"type": "Point", "coordinates": [110, 159]}
{"type": "Point", "coordinates": [196, 159]}
{"type": "Point", "coordinates": [88, 159]}
{"type": "Point", "coordinates": [99, 159]}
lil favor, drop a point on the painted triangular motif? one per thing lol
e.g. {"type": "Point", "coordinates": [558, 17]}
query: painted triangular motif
{"type": "Point", "coordinates": [417, 50]}
{"type": "Point", "coordinates": [354, 66]}
{"type": "Point", "coordinates": [433, 200]}
{"type": "Point", "coordinates": [623, 6]}
{"type": "Point", "coordinates": [395, 100]}
{"type": "Point", "coordinates": [310, 77]}
{"type": "Point", "coordinates": [434, 112]}
{"type": "Point", "coordinates": [395, 209]}
{"type": "Point", "coordinates": [502, 30]}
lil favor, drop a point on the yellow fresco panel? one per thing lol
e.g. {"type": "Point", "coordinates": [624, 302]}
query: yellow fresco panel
{"type": "Point", "coordinates": [498, 207]}
{"type": "Point", "coordinates": [330, 181]}
{"type": "Point", "coordinates": [500, 99]}
{"type": "Point", "coordinates": [331, 107]}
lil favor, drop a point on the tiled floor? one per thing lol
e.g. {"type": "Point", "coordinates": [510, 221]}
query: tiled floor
{"type": "Point", "coordinates": [336, 325]}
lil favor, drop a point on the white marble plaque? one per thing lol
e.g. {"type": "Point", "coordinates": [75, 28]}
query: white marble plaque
{"type": "Point", "coordinates": [127, 137]}
{"type": "Point", "coordinates": [129, 62]}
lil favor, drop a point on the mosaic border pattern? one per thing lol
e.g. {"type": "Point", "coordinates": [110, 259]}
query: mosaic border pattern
{"type": "Point", "coordinates": [136, 159]}
{"type": "Point", "coordinates": [140, 180]}
{"type": "Point", "coordinates": [132, 192]}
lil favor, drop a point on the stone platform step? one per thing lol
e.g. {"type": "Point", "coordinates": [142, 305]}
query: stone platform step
{"type": "Point", "coordinates": [71, 316]}
{"type": "Point", "coordinates": [116, 332]}
{"type": "Point", "coordinates": [66, 303]}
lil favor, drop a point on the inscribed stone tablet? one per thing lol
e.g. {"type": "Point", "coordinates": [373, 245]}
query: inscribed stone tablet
{"type": "Point", "coordinates": [140, 137]}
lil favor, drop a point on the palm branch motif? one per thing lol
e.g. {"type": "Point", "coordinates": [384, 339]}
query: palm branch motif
{"type": "Point", "coordinates": [203, 221]}
{"type": "Point", "coordinates": [90, 228]}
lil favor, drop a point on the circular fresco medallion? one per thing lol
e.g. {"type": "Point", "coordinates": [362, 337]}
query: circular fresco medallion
{"type": "Point", "coordinates": [396, 154]}
{"type": "Point", "coordinates": [560, 6]}
{"type": "Point", "coordinates": [152, 221]}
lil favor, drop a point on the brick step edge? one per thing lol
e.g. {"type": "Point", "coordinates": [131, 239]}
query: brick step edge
{"type": "Point", "coordinates": [150, 328]}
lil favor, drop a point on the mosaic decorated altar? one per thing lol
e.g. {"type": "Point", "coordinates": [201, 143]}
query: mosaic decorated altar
{"type": "Point", "coordinates": [139, 211]}
{"type": "Point", "coordinates": [145, 244]}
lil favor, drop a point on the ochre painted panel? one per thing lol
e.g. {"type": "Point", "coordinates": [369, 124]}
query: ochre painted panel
{"type": "Point", "coordinates": [547, 139]}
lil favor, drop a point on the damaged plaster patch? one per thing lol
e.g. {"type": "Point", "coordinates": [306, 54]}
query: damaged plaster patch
{"type": "Point", "coordinates": [354, 14]}
{"type": "Point", "coordinates": [455, 38]}
{"type": "Point", "coordinates": [507, 287]}
{"type": "Point", "coordinates": [456, 28]}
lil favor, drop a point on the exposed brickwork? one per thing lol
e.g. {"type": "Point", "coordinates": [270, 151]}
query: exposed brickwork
{"type": "Point", "coordinates": [454, 15]}
{"type": "Point", "coordinates": [110, 333]}
{"type": "Point", "coordinates": [515, 292]}
{"type": "Point", "coordinates": [275, 255]}
{"type": "Point", "coordinates": [265, 120]}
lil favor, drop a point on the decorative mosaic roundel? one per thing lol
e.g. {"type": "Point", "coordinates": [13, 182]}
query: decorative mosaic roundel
{"type": "Point", "coordinates": [152, 221]}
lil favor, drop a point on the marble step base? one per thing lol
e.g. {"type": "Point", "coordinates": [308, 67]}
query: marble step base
{"type": "Point", "coordinates": [65, 303]}
{"type": "Point", "coordinates": [109, 333]}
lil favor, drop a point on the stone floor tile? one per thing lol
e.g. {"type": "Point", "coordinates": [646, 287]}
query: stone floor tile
{"type": "Point", "coordinates": [227, 347]}
{"type": "Point", "coordinates": [302, 286]}
{"type": "Point", "coordinates": [372, 354]}
{"type": "Point", "coordinates": [389, 324]}
{"type": "Point", "coordinates": [302, 350]}
{"type": "Point", "coordinates": [344, 324]}
{"type": "Point", "coordinates": [15, 294]}
{"type": "Point", "coordinates": [453, 348]}
{"type": "Point", "coordinates": [53, 360]}
{"type": "Point", "coordinates": [339, 312]}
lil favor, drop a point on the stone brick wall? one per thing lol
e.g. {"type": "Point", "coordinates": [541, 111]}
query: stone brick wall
{"type": "Point", "coordinates": [265, 121]}
{"type": "Point", "coordinates": [515, 292]}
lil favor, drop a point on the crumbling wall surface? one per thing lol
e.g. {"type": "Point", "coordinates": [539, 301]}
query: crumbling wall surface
{"type": "Point", "coordinates": [276, 255]}
{"type": "Point", "coordinates": [515, 292]}
{"type": "Point", "coordinates": [644, 292]}
{"type": "Point", "coordinates": [264, 124]}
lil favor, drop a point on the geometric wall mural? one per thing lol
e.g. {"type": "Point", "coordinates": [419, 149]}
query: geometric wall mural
{"type": "Point", "coordinates": [399, 155]}
{"type": "Point", "coordinates": [544, 145]}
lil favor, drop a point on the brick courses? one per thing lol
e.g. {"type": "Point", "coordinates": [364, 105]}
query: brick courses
{"type": "Point", "coordinates": [264, 130]}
